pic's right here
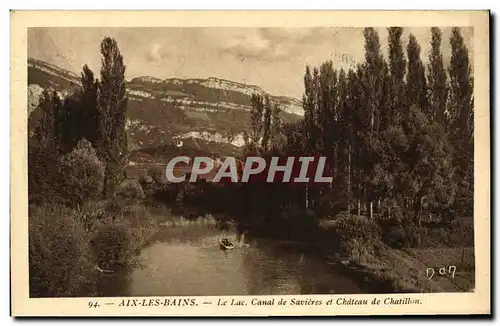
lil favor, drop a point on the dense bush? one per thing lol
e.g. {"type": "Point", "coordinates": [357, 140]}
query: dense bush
{"type": "Point", "coordinates": [331, 203]}
{"type": "Point", "coordinates": [141, 224]}
{"type": "Point", "coordinates": [111, 245]}
{"type": "Point", "coordinates": [358, 227]}
{"type": "Point", "coordinates": [352, 236]}
{"type": "Point", "coordinates": [391, 210]}
{"type": "Point", "coordinates": [157, 174]}
{"type": "Point", "coordinates": [167, 193]}
{"type": "Point", "coordinates": [291, 223]}
{"type": "Point", "coordinates": [116, 239]}
{"type": "Point", "coordinates": [91, 213]}
{"type": "Point", "coordinates": [81, 174]}
{"type": "Point", "coordinates": [299, 223]}
{"type": "Point", "coordinates": [407, 234]}
{"type": "Point", "coordinates": [455, 235]}
{"type": "Point", "coordinates": [43, 178]}
{"type": "Point", "coordinates": [394, 236]}
{"type": "Point", "coordinates": [138, 218]}
{"type": "Point", "coordinates": [129, 191]}
{"type": "Point", "coordinates": [59, 254]}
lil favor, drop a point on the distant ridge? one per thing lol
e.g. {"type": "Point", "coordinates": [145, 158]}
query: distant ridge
{"type": "Point", "coordinates": [211, 112]}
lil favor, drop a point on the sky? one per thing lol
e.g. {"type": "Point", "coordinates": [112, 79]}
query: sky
{"type": "Point", "coordinates": [272, 58]}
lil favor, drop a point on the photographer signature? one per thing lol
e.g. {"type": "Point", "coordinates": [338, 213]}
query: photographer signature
{"type": "Point", "coordinates": [443, 271]}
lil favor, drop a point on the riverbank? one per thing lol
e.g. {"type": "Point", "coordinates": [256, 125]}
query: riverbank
{"type": "Point", "coordinates": [69, 249]}
{"type": "Point", "coordinates": [415, 270]}
{"type": "Point", "coordinates": [188, 261]}
{"type": "Point", "coordinates": [363, 249]}
{"type": "Point", "coordinates": [360, 252]}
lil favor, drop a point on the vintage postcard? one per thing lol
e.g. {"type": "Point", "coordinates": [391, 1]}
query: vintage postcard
{"type": "Point", "coordinates": [250, 163]}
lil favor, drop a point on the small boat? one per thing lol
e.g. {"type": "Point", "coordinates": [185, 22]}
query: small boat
{"type": "Point", "coordinates": [225, 244]}
{"type": "Point", "coordinates": [104, 271]}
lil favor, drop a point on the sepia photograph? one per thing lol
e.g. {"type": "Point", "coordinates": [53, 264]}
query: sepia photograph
{"type": "Point", "coordinates": [168, 164]}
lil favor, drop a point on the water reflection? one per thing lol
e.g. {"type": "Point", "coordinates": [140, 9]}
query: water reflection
{"type": "Point", "coordinates": [188, 261]}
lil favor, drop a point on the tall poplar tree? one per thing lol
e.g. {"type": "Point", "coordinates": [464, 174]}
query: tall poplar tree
{"type": "Point", "coordinates": [373, 78]}
{"type": "Point", "coordinates": [275, 126]}
{"type": "Point", "coordinates": [416, 85]}
{"type": "Point", "coordinates": [461, 88]}
{"type": "Point", "coordinates": [90, 86]}
{"type": "Point", "coordinates": [256, 123]}
{"type": "Point", "coordinates": [112, 106]}
{"type": "Point", "coordinates": [397, 69]}
{"type": "Point", "coordinates": [437, 78]}
{"type": "Point", "coordinates": [266, 128]}
{"type": "Point", "coordinates": [461, 109]}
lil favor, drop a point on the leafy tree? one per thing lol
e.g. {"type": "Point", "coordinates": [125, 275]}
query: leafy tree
{"type": "Point", "coordinates": [437, 78]}
{"type": "Point", "coordinates": [112, 106]}
{"type": "Point", "coordinates": [373, 76]}
{"type": "Point", "coordinates": [256, 123]}
{"type": "Point", "coordinates": [294, 137]}
{"type": "Point", "coordinates": [90, 86]}
{"type": "Point", "coordinates": [461, 88]}
{"type": "Point", "coordinates": [397, 68]}
{"type": "Point", "coordinates": [45, 131]}
{"type": "Point", "coordinates": [275, 126]}
{"type": "Point", "coordinates": [356, 121]}
{"type": "Point", "coordinates": [429, 164]}
{"type": "Point", "coordinates": [82, 174]}
{"type": "Point", "coordinates": [378, 125]}
{"type": "Point", "coordinates": [460, 108]}
{"type": "Point", "coordinates": [71, 121]}
{"type": "Point", "coordinates": [416, 84]}
{"type": "Point", "coordinates": [44, 145]}
{"type": "Point", "coordinates": [79, 117]}
{"type": "Point", "coordinates": [372, 79]}
{"type": "Point", "coordinates": [390, 170]}
{"type": "Point", "coordinates": [266, 126]}
{"type": "Point", "coordinates": [387, 110]}
{"type": "Point", "coordinates": [342, 121]}
{"type": "Point", "coordinates": [327, 116]}
{"type": "Point", "coordinates": [311, 109]}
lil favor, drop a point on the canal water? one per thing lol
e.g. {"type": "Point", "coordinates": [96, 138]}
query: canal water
{"type": "Point", "coordinates": [188, 261]}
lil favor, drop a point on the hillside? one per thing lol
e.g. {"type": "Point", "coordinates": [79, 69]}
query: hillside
{"type": "Point", "coordinates": [209, 114]}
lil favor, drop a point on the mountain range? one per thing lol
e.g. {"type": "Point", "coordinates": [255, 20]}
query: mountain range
{"type": "Point", "coordinates": [210, 115]}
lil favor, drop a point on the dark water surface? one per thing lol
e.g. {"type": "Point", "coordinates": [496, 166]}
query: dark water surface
{"type": "Point", "coordinates": [188, 261]}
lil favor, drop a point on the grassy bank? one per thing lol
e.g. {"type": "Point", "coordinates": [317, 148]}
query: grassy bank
{"type": "Point", "coordinates": [357, 244]}
{"type": "Point", "coordinates": [406, 271]}
{"type": "Point", "coordinates": [165, 218]}
{"type": "Point", "coordinates": [387, 255]}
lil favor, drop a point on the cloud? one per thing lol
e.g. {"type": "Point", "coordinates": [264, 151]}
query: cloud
{"type": "Point", "coordinates": [273, 44]}
{"type": "Point", "coordinates": [155, 53]}
{"type": "Point", "coordinates": [258, 45]}
{"type": "Point", "coordinates": [290, 35]}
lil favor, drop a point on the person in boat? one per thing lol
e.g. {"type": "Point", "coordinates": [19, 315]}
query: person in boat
{"type": "Point", "coordinates": [226, 242]}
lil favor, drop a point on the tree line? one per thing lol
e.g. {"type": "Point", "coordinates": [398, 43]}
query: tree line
{"type": "Point", "coordinates": [265, 125]}
{"type": "Point", "coordinates": [76, 137]}
{"type": "Point", "coordinates": [398, 137]}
